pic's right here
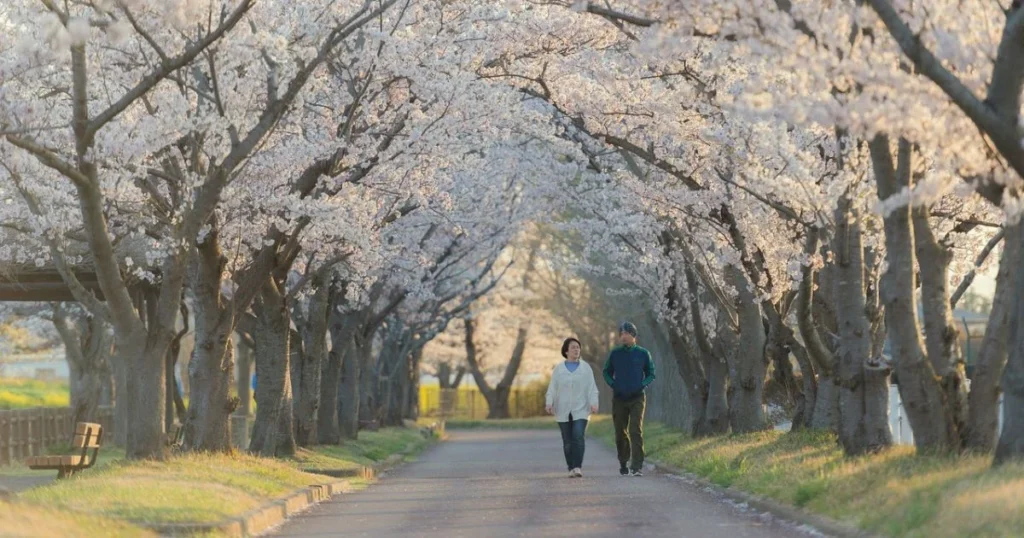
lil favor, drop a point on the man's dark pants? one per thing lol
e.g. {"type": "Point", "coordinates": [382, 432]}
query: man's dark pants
{"type": "Point", "coordinates": [628, 417]}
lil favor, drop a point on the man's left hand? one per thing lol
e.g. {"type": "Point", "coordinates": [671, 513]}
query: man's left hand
{"type": "Point", "coordinates": [593, 409]}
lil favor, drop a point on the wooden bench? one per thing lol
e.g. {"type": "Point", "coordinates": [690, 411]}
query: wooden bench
{"type": "Point", "coordinates": [88, 436]}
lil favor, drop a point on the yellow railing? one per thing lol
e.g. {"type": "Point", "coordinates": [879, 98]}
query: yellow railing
{"type": "Point", "coordinates": [469, 402]}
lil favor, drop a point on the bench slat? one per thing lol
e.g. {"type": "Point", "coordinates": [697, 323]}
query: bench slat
{"type": "Point", "coordinates": [56, 462]}
{"type": "Point", "coordinates": [81, 442]}
{"type": "Point", "coordinates": [83, 427]}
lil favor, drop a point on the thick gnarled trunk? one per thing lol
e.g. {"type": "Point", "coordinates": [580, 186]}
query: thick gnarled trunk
{"type": "Point", "coordinates": [941, 345]}
{"type": "Point", "coordinates": [983, 400]}
{"type": "Point", "coordinates": [272, 430]}
{"type": "Point", "coordinates": [747, 367]}
{"type": "Point", "coordinates": [209, 371]}
{"type": "Point", "coordinates": [497, 396]}
{"type": "Point", "coordinates": [861, 428]}
{"type": "Point", "coordinates": [922, 397]}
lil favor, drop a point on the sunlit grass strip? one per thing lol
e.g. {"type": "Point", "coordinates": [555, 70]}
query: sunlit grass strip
{"type": "Point", "coordinates": [22, 519]}
{"type": "Point", "coordinates": [896, 493]}
{"type": "Point", "coordinates": [199, 488]}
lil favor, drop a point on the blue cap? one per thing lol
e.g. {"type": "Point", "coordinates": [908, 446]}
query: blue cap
{"type": "Point", "coordinates": [628, 327]}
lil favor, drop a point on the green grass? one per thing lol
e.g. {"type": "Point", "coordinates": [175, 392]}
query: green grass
{"type": "Point", "coordinates": [20, 393]}
{"type": "Point", "coordinates": [502, 424]}
{"type": "Point", "coordinates": [370, 448]}
{"type": "Point", "coordinates": [896, 493]}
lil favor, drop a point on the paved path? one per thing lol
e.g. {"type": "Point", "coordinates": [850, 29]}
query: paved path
{"type": "Point", "coordinates": [18, 483]}
{"type": "Point", "coordinates": [511, 483]}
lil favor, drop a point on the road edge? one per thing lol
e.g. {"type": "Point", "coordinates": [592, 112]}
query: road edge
{"type": "Point", "coordinates": [787, 512]}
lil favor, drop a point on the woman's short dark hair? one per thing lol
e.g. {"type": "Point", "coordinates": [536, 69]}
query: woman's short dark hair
{"type": "Point", "coordinates": [565, 346]}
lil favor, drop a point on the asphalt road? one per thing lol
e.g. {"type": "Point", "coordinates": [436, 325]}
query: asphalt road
{"type": "Point", "coordinates": [513, 483]}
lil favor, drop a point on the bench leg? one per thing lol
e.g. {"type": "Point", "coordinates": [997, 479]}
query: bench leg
{"type": "Point", "coordinates": [62, 474]}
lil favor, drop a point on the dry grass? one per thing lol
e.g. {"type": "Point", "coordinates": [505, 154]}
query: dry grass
{"type": "Point", "coordinates": [24, 520]}
{"type": "Point", "coordinates": [197, 488]}
{"type": "Point", "coordinates": [193, 488]}
{"type": "Point", "coordinates": [896, 493]}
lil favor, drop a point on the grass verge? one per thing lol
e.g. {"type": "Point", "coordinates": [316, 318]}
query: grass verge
{"type": "Point", "coordinates": [21, 393]}
{"type": "Point", "coordinates": [192, 488]}
{"type": "Point", "coordinates": [370, 448]}
{"type": "Point", "coordinates": [502, 424]}
{"type": "Point", "coordinates": [199, 488]}
{"type": "Point", "coordinates": [23, 519]}
{"type": "Point", "coordinates": [896, 493]}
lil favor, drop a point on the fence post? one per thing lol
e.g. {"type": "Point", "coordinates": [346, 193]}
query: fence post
{"type": "Point", "coordinates": [5, 438]}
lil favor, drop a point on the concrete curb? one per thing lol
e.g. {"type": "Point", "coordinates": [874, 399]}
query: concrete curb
{"type": "Point", "coordinates": [783, 511]}
{"type": "Point", "coordinates": [260, 519]}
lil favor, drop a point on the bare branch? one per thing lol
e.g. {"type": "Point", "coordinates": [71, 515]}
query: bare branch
{"type": "Point", "coordinates": [978, 262]}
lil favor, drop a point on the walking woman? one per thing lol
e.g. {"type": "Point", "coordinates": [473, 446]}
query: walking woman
{"type": "Point", "coordinates": [572, 397]}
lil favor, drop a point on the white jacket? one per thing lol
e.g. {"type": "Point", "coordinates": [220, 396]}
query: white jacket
{"type": "Point", "coordinates": [572, 392]}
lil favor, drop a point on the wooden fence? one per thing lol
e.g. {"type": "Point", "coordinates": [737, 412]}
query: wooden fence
{"type": "Point", "coordinates": [29, 432]}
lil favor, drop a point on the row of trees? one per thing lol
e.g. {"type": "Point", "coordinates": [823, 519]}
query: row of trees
{"type": "Point", "coordinates": [801, 183]}
{"type": "Point", "coordinates": [331, 183]}
{"type": "Point", "coordinates": [785, 186]}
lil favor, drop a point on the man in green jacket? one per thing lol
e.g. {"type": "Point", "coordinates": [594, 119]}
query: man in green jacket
{"type": "Point", "coordinates": [628, 371]}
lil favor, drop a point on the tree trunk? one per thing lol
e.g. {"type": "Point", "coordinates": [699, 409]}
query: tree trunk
{"type": "Point", "coordinates": [272, 430]}
{"type": "Point", "coordinates": [87, 345]}
{"type": "Point", "coordinates": [351, 370]}
{"type": "Point", "coordinates": [497, 403]}
{"type": "Point", "coordinates": [312, 365]}
{"type": "Point", "coordinates": [1011, 440]}
{"type": "Point", "coordinates": [809, 379]}
{"type": "Point", "coordinates": [821, 362]}
{"type": "Point", "coordinates": [243, 383]}
{"type": "Point", "coordinates": [859, 431]}
{"type": "Point", "coordinates": [120, 368]}
{"type": "Point", "coordinates": [146, 386]}
{"type": "Point", "coordinates": [497, 396]}
{"type": "Point", "coordinates": [706, 377]}
{"type": "Point", "coordinates": [328, 432]}
{"type": "Point", "coordinates": [412, 395]}
{"type": "Point", "coordinates": [941, 343]}
{"type": "Point", "coordinates": [210, 403]}
{"type": "Point", "coordinates": [747, 368]}
{"type": "Point", "coordinates": [777, 352]}
{"type": "Point", "coordinates": [983, 404]}
{"type": "Point", "coordinates": [921, 395]}
{"type": "Point", "coordinates": [369, 377]}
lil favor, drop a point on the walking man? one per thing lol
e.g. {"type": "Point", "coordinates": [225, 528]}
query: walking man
{"type": "Point", "coordinates": [628, 371]}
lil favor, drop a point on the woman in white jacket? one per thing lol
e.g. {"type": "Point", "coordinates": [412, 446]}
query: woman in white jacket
{"type": "Point", "coordinates": [572, 397]}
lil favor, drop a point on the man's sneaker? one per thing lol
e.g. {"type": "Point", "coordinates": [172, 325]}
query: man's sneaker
{"type": "Point", "coordinates": [578, 472]}
{"type": "Point", "coordinates": [637, 472]}
{"type": "Point", "coordinates": [624, 471]}
{"type": "Point", "coordinates": [572, 473]}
